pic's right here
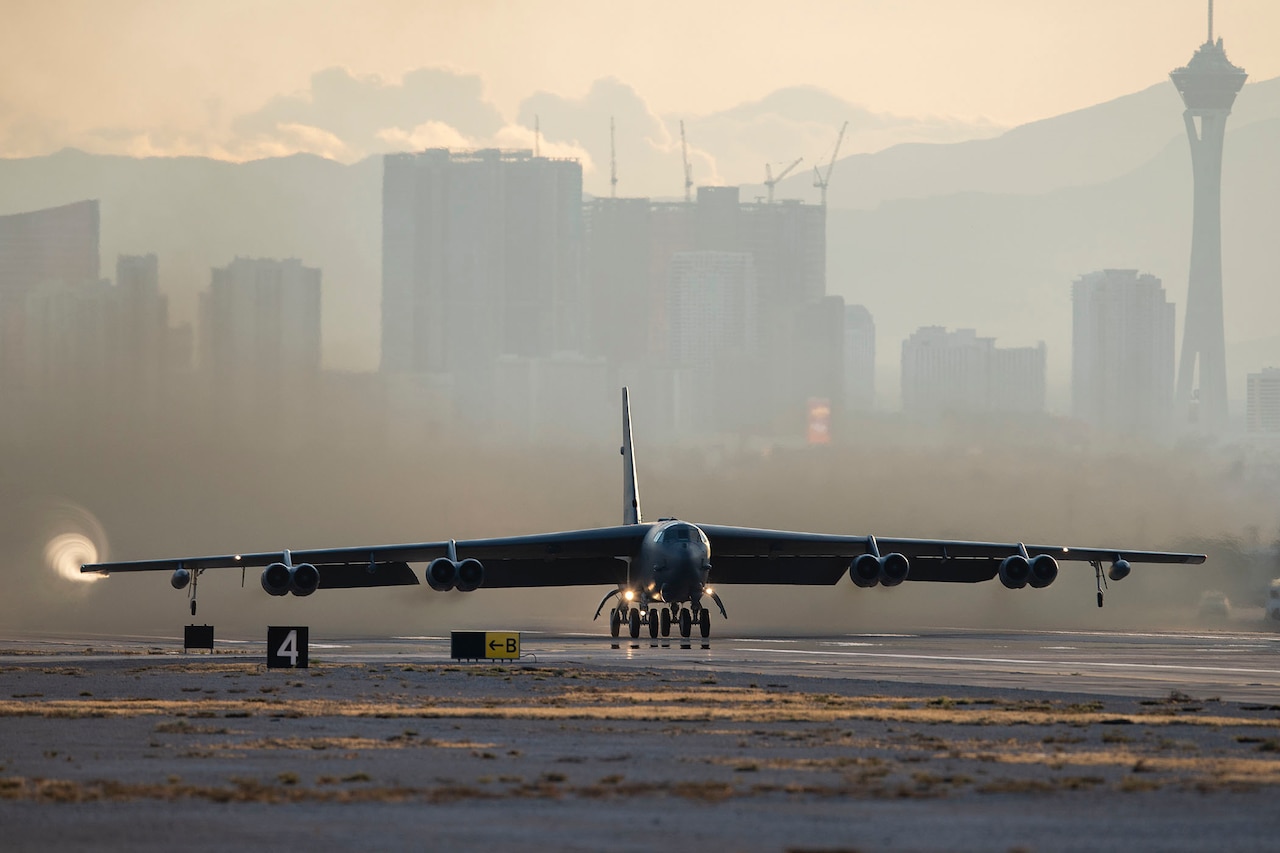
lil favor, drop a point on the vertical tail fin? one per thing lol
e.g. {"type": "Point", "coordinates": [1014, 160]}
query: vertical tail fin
{"type": "Point", "coordinates": [630, 493]}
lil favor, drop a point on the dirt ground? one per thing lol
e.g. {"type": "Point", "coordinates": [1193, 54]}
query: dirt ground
{"type": "Point", "coordinates": [161, 752]}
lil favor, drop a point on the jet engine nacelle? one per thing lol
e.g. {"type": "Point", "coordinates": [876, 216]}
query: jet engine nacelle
{"type": "Point", "coordinates": [442, 574]}
{"type": "Point", "coordinates": [470, 575]}
{"type": "Point", "coordinates": [1044, 571]}
{"type": "Point", "coordinates": [1015, 571]}
{"type": "Point", "coordinates": [276, 579]}
{"type": "Point", "coordinates": [304, 579]}
{"type": "Point", "coordinates": [1119, 570]}
{"type": "Point", "coordinates": [864, 571]}
{"type": "Point", "coordinates": [893, 569]}
{"type": "Point", "coordinates": [180, 579]}
{"type": "Point", "coordinates": [868, 570]}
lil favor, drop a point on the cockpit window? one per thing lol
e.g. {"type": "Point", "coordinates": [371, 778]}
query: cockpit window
{"type": "Point", "coordinates": [682, 533]}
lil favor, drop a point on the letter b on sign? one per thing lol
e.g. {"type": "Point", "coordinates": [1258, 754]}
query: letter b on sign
{"type": "Point", "coordinates": [287, 647]}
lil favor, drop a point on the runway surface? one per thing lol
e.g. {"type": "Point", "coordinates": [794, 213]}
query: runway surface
{"type": "Point", "coordinates": [1233, 666]}
{"type": "Point", "coordinates": [938, 739]}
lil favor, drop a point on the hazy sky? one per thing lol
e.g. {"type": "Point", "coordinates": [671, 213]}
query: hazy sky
{"type": "Point", "coordinates": [168, 76]}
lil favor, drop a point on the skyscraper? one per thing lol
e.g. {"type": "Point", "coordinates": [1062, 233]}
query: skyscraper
{"type": "Point", "coordinates": [711, 307]}
{"type": "Point", "coordinates": [144, 344]}
{"type": "Point", "coordinates": [631, 243]}
{"type": "Point", "coordinates": [859, 359]}
{"type": "Point", "coordinates": [1122, 352]}
{"type": "Point", "coordinates": [623, 311]}
{"type": "Point", "coordinates": [260, 330]}
{"type": "Point", "coordinates": [1262, 413]}
{"type": "Point", "coordinates": [41, 247]}
{"type": "Point", "coordinates": [958, 372]}
{"type": "Point", "coordinates": [481, 257]}
{"type": "Point", "coordinates": [1208, 85]}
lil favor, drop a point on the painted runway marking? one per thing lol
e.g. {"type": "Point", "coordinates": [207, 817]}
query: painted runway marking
{"type": "Point", "coordinates": [1017, 661]}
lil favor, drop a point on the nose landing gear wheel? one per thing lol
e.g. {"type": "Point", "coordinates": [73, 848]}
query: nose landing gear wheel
{"type": "Point", "coordinates": [686, 624]}
{"type": "Point", "coordinates": [704, 622]}
{"type": "Point", "coordinates": [615, 622]}
{"type": "Point", "coordinates": [635, 623]}
{"type": "Point", "coordinates": [666, 622]}
{"type": "Point", "coordinates": [653, 623]}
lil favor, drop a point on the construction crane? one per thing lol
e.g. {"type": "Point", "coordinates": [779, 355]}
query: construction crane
{"type": "Point", "coordinates": [821, 180]}
{"type": "Point", "coordinates": [688, 170]}
{"type": "Point", "coordinates": [770, 180]}
{"type": "Point", "coordinates": [613, 163]}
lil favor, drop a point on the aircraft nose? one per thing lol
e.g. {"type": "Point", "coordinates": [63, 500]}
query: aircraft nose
{"type": "Point", "coordinates": [693, 567]}
{"type": "Point", "coordinates": [684, 573]}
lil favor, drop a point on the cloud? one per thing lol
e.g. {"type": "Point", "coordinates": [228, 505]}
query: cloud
{"type": "Point", "coordinates": [340, 116]}
{"type": "Point", "coordinates": [346, 117]}
{"type": "Point", "coordinates": [356, 109]}
{"type": "Point", "coordinates": [432, 134]}
{"type": "Point", "coordinates": [363, 113]}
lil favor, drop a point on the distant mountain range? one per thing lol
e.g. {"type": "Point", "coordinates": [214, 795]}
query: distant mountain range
{"type": "Point", "coordinates": [1079, 148]}
{"type": "Point", "coordinates": [987, 233]}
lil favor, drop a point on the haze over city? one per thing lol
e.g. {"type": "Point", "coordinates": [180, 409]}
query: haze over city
{"type": "Point", "coordinates": [974, 178]}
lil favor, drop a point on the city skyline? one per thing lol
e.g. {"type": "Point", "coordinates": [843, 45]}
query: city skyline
{"type": "Point", "coordinates": [947, 293]}
{"type": "Point", "coordinates": [710, 224]}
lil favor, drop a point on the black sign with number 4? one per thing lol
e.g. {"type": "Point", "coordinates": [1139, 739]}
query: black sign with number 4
{"type": "Point", "coordinates": [286, 647]}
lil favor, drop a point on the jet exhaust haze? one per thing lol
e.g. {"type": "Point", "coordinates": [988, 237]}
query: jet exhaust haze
{"type": "Point", "coordinates": [344, 486]}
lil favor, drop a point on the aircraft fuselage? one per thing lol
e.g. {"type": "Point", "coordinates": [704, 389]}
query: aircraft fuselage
{"type": "Point", "coordinates": [673, 565]}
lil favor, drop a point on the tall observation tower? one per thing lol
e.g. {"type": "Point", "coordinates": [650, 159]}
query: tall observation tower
{"type": "Point", "coordinates": [1208, 85]}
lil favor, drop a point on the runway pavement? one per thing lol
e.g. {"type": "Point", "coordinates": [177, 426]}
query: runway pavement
{"type": "Point", "coordinates": [1231, 665]}
{"type": "Point", "coordinates": [938, 739]}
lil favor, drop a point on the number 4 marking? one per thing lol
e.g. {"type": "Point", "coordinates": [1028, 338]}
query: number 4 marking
{"type": "Point", "coordinates": [289, 648]}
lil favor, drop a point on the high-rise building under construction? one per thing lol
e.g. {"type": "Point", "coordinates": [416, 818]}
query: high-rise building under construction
{"type": "Point", "coordinates": [631, 244]}
{"type": "Point", "coordinates": [1208, 85]}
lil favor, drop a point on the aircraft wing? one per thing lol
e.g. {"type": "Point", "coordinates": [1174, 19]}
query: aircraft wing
{"type": "Point", "coordinates": [751, 555]}
{"type": "Point", "coordinates": [569, 558]}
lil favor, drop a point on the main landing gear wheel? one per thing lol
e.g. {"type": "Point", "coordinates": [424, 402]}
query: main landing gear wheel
{"type": "Point", "coordinates": [635, 623]}
{"type": "Point", "coordinates": [653, 624]}
{"type": "Point", "coordinates": [666, 622]}
{"type": "Point", "coordinates": [704, 622]}
{"type": "Point", "coordinates": [686, 624]}
{"type": "Point", "coordinates": [615, 622]}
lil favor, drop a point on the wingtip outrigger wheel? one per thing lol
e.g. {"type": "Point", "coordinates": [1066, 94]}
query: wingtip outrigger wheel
{"type": "Point", "coordinates": [603, 601]}
{"type": "Point", "coordinates": [1102, 579]}
{"type": "Point", "coordinates": [195, 580]}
